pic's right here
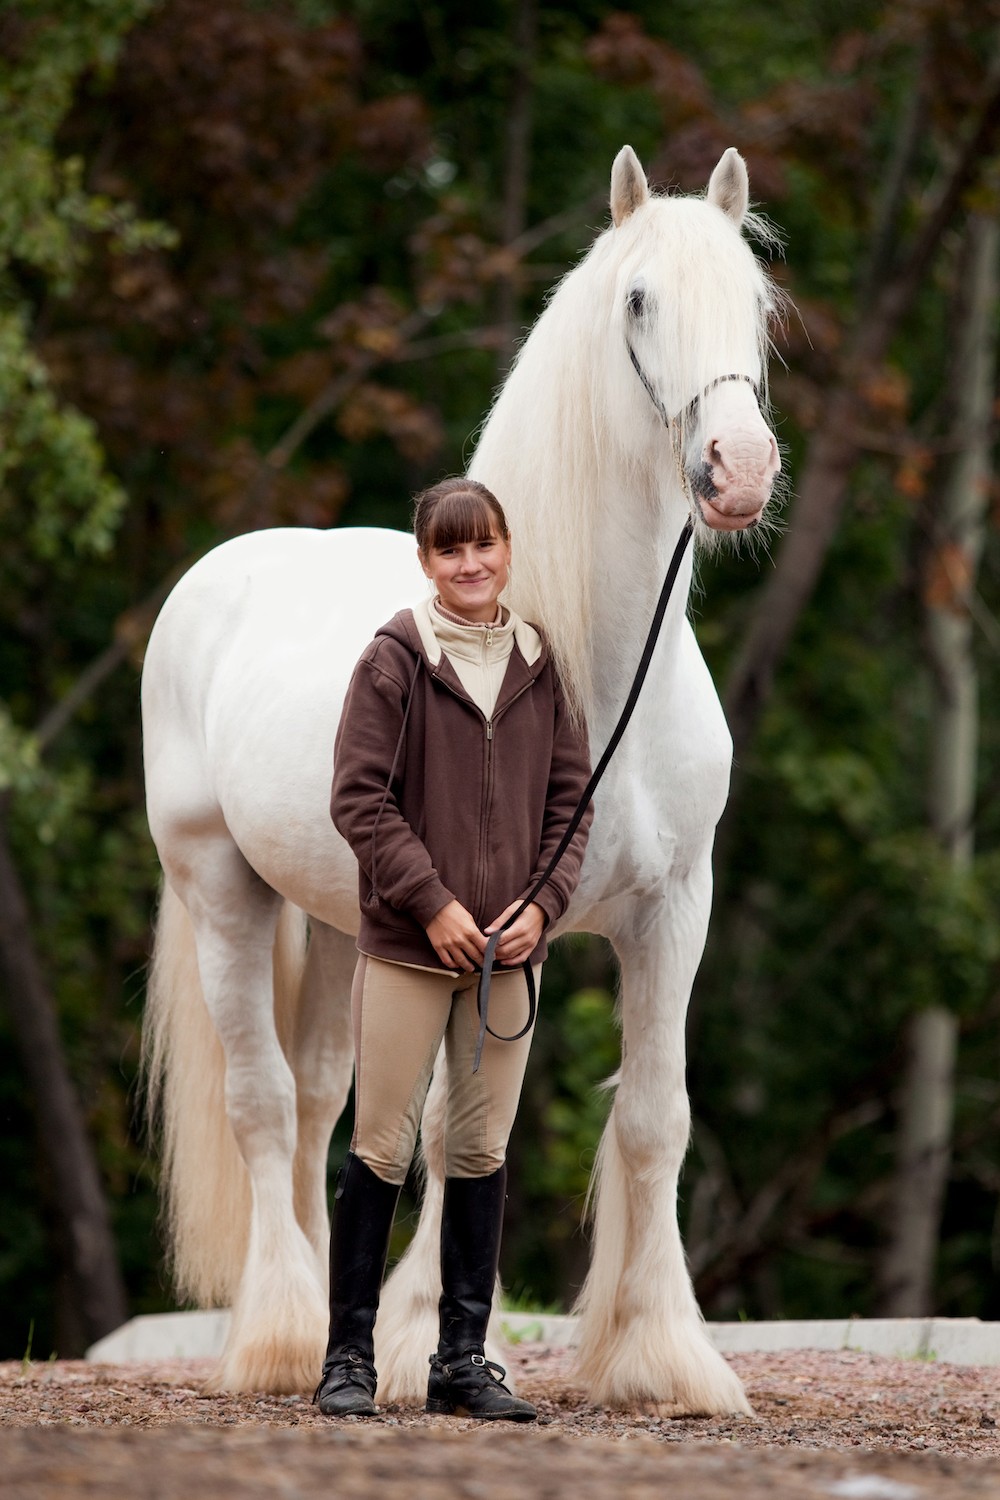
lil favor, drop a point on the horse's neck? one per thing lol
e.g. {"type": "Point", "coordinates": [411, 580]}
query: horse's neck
{"type": "Point", "coordinates": [623, 604]}
{"type": "Point", "coordinates": [595, 505]}
{"type": "Point", "coordinates": [597, 602]}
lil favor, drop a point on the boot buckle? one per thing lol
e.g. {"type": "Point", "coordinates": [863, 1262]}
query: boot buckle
{"type": "Point", "coordinates": [479, 1359]}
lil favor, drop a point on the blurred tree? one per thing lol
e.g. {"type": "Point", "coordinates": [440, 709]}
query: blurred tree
{"type": "Point", "coordinates": [951, 566]}
{"type": "Point", "coordinates": [857, 387]}
{"type": "Point", "coordinates": [904, 930]}
{"type": "Point", "coordinates": [57, 502]}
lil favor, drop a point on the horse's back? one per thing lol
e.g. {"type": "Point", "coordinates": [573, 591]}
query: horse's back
{"type": "Point", "coordinates": [287, 587]}
{"type": "Point", "coordinates": [243, 685]}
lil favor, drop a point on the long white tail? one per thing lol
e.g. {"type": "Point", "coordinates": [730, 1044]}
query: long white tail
{"type": "Point", "coordinates": [204, 1185]}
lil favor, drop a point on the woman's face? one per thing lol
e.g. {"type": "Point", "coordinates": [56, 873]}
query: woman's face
{"type": "Point", "coordinates": [470, 576]}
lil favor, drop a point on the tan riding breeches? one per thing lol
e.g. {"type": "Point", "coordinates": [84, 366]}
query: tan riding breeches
{"type": "Point", "coordinates": [401, 1016]}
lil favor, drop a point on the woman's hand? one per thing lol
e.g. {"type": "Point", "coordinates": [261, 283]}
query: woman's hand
{"type": "Point", "coordinates": [456, 939]}
{"type": "Point", "coordinates": [521, 938]}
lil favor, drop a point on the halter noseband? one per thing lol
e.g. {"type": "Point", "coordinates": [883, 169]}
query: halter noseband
{"type": "Point", "coordinates": [688, 411]}
{"type": "Point", "coordinates": [675, 425]}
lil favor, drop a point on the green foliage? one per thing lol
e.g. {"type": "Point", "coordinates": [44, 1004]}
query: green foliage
{"type": "Point", "coordinates": [55, 492]}
{"type": "Point", "coordinates": [45, 213]}
{"type": "Point", "coordinates": [18, 756]}
{"type": "Point", "coordinates": [942, 921]}
{"type": "Point", "coordinates": [60, 508]}
{"type": "Point", "coordinates": [840, 917]}
{"type": "Point", "coordinates": [578, 1107]}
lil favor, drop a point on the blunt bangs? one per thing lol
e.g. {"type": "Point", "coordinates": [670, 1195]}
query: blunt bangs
{"type": "Point", "coordinates": [462, 517]}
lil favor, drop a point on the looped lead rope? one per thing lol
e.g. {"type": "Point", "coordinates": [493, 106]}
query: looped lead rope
{"type": "Point", "coordinates": [489, 957]}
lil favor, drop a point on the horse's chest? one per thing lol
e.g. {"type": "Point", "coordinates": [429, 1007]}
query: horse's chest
{"type": "Point", "coordinates": [650, 830]}
{"type": "Point", "coordinates": [656, 812]}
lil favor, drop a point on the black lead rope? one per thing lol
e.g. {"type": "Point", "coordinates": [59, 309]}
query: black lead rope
{"type": "Point", "coordinates": [489, 957]}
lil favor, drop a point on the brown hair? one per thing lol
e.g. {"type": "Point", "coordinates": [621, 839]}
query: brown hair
{"type": "Point", "coordinates": [457, 510]}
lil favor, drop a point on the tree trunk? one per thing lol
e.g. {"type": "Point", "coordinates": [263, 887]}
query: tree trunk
{"type": "Point", "coordinates": [837, 445]}
{"type": "Point", "coordinates": [86, 1243]}
{"type": "Point", "coordinates": [923, 1145]}
{"type": "Point", "coordinates": [516, 174]}
{"type": "Point", "coordinates": [923, 1157]}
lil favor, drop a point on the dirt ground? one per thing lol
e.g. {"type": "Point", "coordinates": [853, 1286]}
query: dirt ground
{"type": "Point", "coordinates": [825, 1425]}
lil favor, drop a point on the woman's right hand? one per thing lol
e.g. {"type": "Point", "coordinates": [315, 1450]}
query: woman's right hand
{"type": "Point", "coordinates": [456, 939]}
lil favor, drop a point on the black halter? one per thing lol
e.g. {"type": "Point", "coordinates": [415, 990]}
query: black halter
{"type": "Point", "coordinates": [687, 412]}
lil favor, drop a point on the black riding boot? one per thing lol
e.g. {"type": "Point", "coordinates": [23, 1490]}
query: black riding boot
{"type": "Point", "coordinates": [462, 1381]}
{"type": "Point", "coordinates": [363, 1211]}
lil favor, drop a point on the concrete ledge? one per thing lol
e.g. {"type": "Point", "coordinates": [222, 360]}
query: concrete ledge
{"type": "Point", "coordinates": [958, 1341]}
{"type": "Point", "coordinates": [961, 1341]}
{"type": "Point", "coordinates": [176, 1335]}
{"type": "Point", "coordinates": [556, 1330]}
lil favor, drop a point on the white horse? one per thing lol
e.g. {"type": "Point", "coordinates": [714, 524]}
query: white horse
{"type": "Point", "coordinates": [632, 404]}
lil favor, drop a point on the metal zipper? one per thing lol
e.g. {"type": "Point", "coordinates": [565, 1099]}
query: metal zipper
{"type": "Point", "coordinates": [484, 820]}
{"type": "Point", "coordinates": [488, 799]}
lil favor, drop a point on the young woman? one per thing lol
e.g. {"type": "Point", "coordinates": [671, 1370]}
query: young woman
{"type": "Point", "coordinates": [457, 770]}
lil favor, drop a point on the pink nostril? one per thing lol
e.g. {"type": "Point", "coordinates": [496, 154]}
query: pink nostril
{"type": "Point", "coordinates": [769, 459]}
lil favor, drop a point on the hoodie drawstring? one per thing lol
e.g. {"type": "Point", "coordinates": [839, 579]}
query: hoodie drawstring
{"type": "Point", "coordinates": [392, 776]}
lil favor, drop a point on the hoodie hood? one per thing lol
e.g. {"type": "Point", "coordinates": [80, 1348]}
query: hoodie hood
{"type": "Point", "coordinates": [413, 629]}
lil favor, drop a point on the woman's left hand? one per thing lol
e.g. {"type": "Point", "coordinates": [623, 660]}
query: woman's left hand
{"type": "Point", "coordinates": [521, 938]}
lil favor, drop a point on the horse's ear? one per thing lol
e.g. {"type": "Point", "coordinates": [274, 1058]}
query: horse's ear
{"type": "Point", "coordinates": [729, 186]}
{"type": "Point", "coordinates": [629, 188]}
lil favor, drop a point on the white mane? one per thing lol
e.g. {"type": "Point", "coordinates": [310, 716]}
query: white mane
{"type": "Point", "coordinates": [572, 426]}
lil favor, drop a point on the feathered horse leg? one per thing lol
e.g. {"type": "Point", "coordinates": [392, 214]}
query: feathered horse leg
{"type": "Point", "coordinates": [642, 1337]}
{"type": "Point", "coordinates": [318, 1044]}
{"type": "Point", "coordinates": [278, 1325]}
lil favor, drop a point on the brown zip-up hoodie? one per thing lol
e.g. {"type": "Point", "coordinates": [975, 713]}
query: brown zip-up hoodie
{"type": "Point", "coordinates": [439, 803]}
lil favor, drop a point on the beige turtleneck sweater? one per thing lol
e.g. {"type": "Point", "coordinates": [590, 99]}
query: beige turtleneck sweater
{"type": "Point", "coordinates": [479, 653]}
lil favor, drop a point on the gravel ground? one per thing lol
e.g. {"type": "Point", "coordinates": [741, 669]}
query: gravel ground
{"type": "Point", "coordinates": [826, 1425]}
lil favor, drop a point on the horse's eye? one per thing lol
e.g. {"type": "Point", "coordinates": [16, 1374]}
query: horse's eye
{"type": "Point", "coordinates": [637, 303]}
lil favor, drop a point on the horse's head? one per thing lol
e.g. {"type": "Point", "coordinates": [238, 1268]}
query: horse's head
{"type": "Point", "coordinates": [692, 304]}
